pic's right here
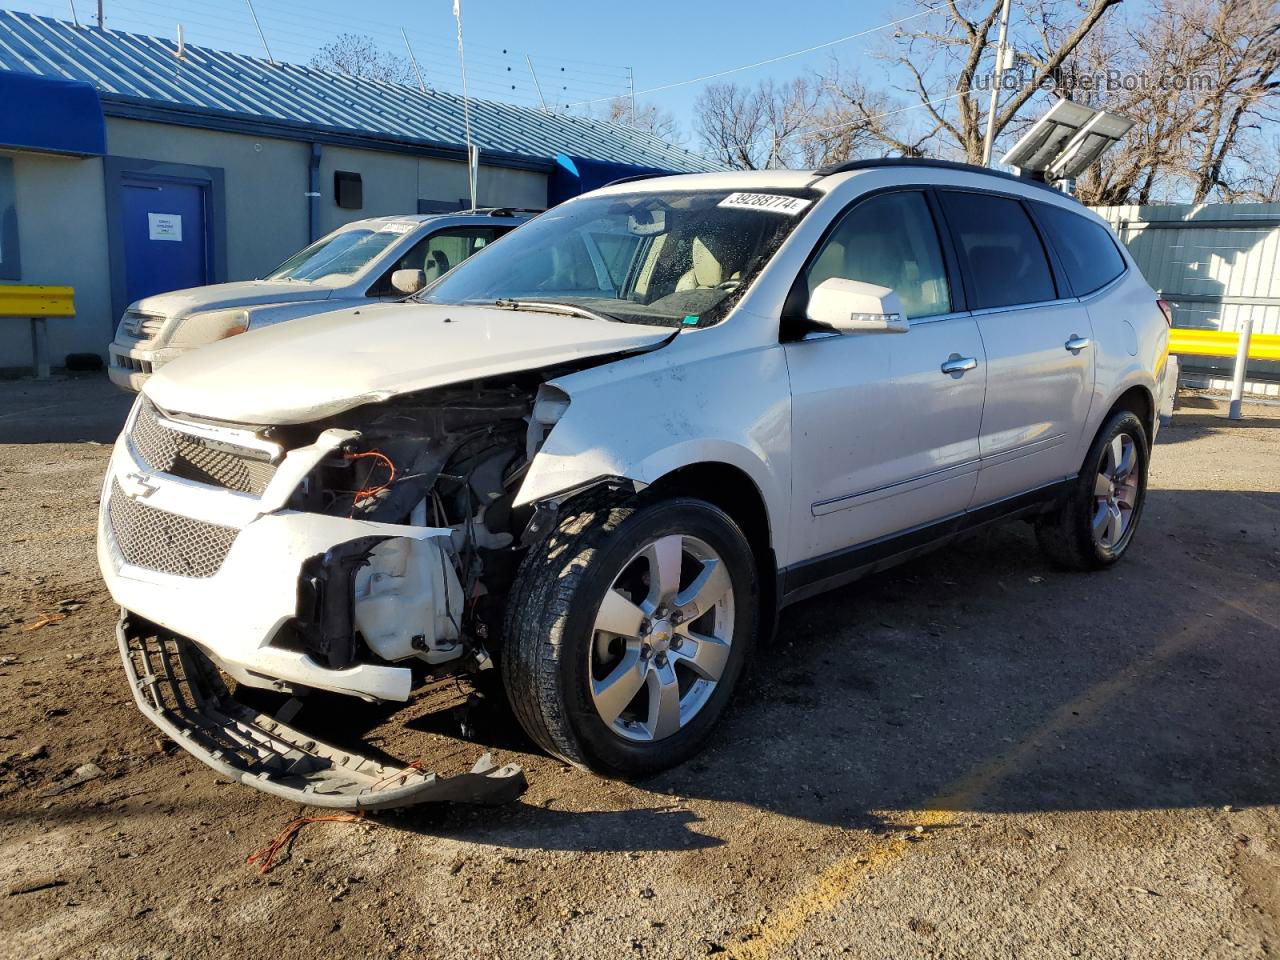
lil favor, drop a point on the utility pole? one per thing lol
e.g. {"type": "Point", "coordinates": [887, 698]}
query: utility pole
{"type": "Point", "coordinates": [101, 18]}
{"type": "Point", "coordinates": [414, 60]}
{"type": "Point", "coordinates": [536, 85]}
{"type": "Point", "coordinates": [261, 36]}
{"type": "Point", "coordinates": [995, 86]}
{"type": "Point", "coordinates": [631, 82]}
{"type": "Point", "coordinates": [74, 18]}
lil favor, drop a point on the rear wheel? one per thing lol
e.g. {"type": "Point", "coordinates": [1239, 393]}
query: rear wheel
{"type": "Point", "coordinates": [628, 630]}
{"type": "Point", "coordinates": [1096, 523]}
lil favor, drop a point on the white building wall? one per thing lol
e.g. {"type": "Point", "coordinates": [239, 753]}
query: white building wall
{"type": "Point", "coordinates": [62, 241]}
{"type": "Point", "coordinates": [63, 230]}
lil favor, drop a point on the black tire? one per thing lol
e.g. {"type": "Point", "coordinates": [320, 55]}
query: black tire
{"type": "Point", "coordinates": [545, 660]}
{"type": "Point", "coordinates": [1066, 536]}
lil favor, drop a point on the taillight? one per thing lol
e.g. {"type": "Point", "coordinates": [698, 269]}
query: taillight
{"type": "Point", "coordinates": [1167, 309]}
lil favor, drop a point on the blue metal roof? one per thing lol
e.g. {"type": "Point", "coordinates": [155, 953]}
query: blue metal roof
{"type": "Point", "coordinates": [142, 77]}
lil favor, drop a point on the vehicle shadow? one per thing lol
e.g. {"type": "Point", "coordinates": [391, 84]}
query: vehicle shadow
{"type": "Point", "coordinates": [1147, 686]}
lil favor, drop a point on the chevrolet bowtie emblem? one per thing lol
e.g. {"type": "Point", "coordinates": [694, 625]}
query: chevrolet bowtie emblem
{"type": "Point", "coordinates": [140, 485]}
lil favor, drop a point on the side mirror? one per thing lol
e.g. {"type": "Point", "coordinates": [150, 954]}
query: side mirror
{"type": "Point", "coordinates": [408, 281]}
{"type": "Point", "coordinates": [851, 306]}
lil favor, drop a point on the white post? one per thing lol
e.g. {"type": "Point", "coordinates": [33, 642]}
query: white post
{"type": "Point", "coordinates": [466, 101]}
{"type": "Point", "coordinates": [631, 82]}
{"type": "Point", "coordinates": [39, 348]}
{"type": "Point", "coordinates": [995, 86]}
{"type": "Point", "coordinates": [1242, 362]}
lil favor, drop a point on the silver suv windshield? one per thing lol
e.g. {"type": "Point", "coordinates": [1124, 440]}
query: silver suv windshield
{"type": "Point", "coordinates": [339, 255]}
{"type": "Point", "coordinates": [675, 259]}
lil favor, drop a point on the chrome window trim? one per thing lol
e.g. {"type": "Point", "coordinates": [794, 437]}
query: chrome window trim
{"type": "Point", "coordinates": [1014, 307]}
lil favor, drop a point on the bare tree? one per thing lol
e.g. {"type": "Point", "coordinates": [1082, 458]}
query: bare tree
{"type": "Point", "coordinates": [356, 55]}
{"type": "Point", "coordinates": [756, 129]}
{"type": "Point", "coordinates": [647, 118]}
{"type": "Point", "coordinates": [1207, 88]}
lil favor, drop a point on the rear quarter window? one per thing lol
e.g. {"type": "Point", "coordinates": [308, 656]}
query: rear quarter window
{"type": "Point", "coordinates": [1086, 249]}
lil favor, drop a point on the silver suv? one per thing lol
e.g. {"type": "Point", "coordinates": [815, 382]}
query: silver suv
{"type": "Point", "coordinates": [379, 258]}
{"type": "Point", "coordinates": [602, 454]}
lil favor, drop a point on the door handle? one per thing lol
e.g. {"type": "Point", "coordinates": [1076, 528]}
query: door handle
{"type": "Point", "coordinates": [1076, 344]}
{"type": "Point", "coordinates": [957, 366]}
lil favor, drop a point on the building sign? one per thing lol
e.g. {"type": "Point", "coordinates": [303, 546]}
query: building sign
{"type": "Point", "coordinates": [164, 226]}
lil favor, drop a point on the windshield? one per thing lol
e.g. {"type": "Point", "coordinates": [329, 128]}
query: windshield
{"type": "Point", "coordinates": [676, 259]}
{"type": "Point", "coordinates": [340, 254]}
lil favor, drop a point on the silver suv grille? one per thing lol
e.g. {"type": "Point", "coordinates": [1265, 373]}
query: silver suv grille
{"type": "Point", "coordinates": [141, 326]}
{"type": "Point", "coordinates": [165, 542]}
{"type": "Point", "coordinates": [195, 458]}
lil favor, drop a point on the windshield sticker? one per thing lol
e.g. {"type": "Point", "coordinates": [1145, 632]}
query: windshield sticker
{"type": "Point", "coordinates": [395, 228]}
{"type": "Point", "coordinates": [764, 201]}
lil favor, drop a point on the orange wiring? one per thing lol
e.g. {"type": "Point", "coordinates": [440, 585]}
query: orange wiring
{"type": "Point", "coordinates": [365, 492]}
{"type": "Point", "coordinates": [266, 856]}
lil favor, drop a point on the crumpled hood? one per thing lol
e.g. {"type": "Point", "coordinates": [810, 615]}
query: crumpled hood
{"type": "Point", "coordinates": [221, 296]}
{"type": "Point", "coordinates": [314, 367]}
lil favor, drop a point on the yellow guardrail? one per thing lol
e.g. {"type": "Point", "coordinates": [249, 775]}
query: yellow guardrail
{"type": "Point", "coordinates": [30, 301]}
{"type": "Point", "coordinates": [1222, 343]}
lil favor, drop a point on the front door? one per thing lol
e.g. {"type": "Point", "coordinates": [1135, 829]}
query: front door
{"type": "Point", "coordinates": [165, 244]}
{"type": "Point", "coordinates": [1039, 361]}
{"type": "Point", "coordinates": [883, 439]}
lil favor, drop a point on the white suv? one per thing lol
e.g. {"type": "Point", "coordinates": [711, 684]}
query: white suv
{"type": "Point", "coordinates": [606, 450]}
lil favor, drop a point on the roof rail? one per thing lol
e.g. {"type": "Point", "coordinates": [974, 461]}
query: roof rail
{"type": "Point", "coordinates": [501, 211]}
{"type": "Point", "coordinates": [875, 163]}
{"type": "Point", "coordinates": [638, 176]}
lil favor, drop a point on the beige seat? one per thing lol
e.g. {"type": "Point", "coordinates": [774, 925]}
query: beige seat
{"type": "Point", "coordinates": [708, 269]}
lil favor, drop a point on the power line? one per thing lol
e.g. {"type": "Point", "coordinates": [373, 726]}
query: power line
{"type": "Point", "coordinates": [780, 57]}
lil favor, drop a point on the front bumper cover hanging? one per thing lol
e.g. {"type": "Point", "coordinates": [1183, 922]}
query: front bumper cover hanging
{"type": "Point", "coordinates": [180, 690]}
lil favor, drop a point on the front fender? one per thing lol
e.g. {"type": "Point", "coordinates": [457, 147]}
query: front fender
{"type": "Point", "coordinates": [661, 413]}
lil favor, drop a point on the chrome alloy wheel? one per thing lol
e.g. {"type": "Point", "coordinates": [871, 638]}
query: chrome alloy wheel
{"type": "Point", "coordinates": [1115, 491]}
{"type": "Point", "coordinates": [661, 638]}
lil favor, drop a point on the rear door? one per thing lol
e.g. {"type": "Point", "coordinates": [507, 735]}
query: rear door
{"type": "Point", "coordinates": [1037, 339]}
{"type": "Point", "coordinates": [883, 439]}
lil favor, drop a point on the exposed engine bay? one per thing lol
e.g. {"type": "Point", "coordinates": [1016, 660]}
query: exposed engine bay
{"type": "Point", "coordinates": [450, 460]}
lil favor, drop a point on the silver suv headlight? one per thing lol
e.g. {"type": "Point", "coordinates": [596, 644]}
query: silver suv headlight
{"type": "Point", "coordinates": [202, 328]}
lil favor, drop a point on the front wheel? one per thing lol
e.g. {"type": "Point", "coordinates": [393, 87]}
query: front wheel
{"type": "Point", "coordinates": [628, 630]}
{"type": "Point", "coordinates": [1096, 522]}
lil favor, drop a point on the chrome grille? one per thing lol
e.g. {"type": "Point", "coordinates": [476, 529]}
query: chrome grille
{"type": "Point", "coordinates": [165, 542]}
{"type": "Point", "coordinates": [141, 326]}
{"type": "Point", "coordinates": [194, 458]}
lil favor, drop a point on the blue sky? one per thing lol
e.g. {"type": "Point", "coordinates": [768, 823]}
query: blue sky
{"type": "Point", "coordinates": [580, 49]}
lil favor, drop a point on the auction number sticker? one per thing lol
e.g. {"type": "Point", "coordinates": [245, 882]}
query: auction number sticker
{"type": "Point", "coordinates": [764, 201]}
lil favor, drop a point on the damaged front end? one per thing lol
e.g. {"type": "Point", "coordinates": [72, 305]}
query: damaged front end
{"type": "Point", "coordinates": [363, 554]}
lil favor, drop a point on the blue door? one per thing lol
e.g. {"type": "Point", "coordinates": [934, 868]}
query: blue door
{"type": "Point", "coordinates": [165, 244]}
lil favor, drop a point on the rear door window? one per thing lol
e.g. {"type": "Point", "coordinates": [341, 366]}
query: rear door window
{"type": "Point", "coordinates": [1086, 249]}
{"type": "Point", "coordinates": [999, 249]}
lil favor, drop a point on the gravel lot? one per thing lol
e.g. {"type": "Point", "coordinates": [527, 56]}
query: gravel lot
{"type": "Point", "coordinates": [971, 756]}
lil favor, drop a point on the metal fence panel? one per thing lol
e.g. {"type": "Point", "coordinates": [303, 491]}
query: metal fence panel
{"type": "Point", "coordinates": [1219, 265]}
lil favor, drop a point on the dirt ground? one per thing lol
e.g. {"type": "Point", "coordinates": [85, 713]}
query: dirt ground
{"type": "Point", "coordinates": [970, 756]}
